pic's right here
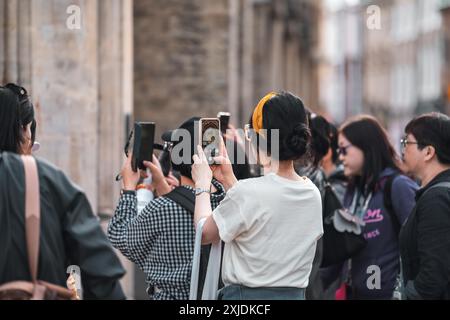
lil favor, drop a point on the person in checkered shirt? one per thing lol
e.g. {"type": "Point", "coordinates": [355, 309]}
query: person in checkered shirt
{"type": "Point", "coordinates": [160, 240]}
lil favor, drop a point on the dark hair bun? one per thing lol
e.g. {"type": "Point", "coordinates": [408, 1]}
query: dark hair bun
{"type": "Point", "coordinates": [298, 141]}
{"type": "Point", "coordinates": [286, 113]}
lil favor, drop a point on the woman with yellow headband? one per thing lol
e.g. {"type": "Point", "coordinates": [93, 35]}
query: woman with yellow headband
{"type": "Point", "coordinates": [271, 224]}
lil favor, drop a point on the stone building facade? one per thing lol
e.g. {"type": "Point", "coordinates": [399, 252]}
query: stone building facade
{"type": "Point", "coordinates": [199, 57]}
{"type": "Point", "coordinates": [399, 64]}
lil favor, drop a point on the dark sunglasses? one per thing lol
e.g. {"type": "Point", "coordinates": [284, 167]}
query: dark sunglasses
{"type": "Point", "coordinates": [343, 150]}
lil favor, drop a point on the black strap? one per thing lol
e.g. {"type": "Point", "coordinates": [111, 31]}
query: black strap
{"type": "Point", "coordinates": [387, 199]}
{"type": "Point", "coordinates": [438, 185]}
{"type": "Point", "coordinates": [184, 197]}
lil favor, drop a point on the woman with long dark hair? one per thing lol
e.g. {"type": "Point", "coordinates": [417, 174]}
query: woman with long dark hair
{"type": "Point", "coordinates": [380, 197]}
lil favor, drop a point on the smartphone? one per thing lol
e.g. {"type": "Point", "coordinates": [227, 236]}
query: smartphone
{"type": "Point", "coordinates": [224, 118]}
{"type": "Point", "coordinates": [210, 137]}
{"type": "Point", "coordinates": [144, 136]}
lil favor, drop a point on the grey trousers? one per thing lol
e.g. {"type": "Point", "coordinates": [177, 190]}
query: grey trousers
{"type": "Point", "coordinates": [238, 292]}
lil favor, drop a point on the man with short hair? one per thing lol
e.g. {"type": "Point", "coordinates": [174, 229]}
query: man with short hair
{"type": "Point", "coordinates": [160, 240]}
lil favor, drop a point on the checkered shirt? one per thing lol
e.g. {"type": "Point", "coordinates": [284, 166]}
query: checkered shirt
{"type": "Point", "coordinates": [160, 240]}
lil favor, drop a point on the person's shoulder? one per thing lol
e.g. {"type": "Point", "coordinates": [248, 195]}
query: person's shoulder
{"type": "Point", "coordinates": [52, 174]}
{"type": "Point", "coordinates": [249, 184]}
{"type": "Point", "coordinates": [47, 166]}
{"type": "Point", "coordinates": [402, 181]}
{"type": "Point", "coordinates": [310, 186]}
{"type": "Point", "coordinates": [242, 188]}
{"type": "Point", "coordinates": [163, 203]}
{"type": "Point", "coordinates": [439, 193]}
{"type": "Point", "coordinates": [10, 158]}
{"type": "Point", "coordinates": [434, 202]}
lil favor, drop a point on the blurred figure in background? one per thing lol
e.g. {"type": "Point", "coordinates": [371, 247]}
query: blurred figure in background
{"type": "Point", "coordinates": [379, 196]}
{"type": "Point", "coordinates": [333, 169]}
{"type": "Point", "coordinates": [320, 146]}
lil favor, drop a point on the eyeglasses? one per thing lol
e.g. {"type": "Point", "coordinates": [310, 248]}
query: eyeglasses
{"type": "Point", "coordinates": [343, 150]}
{"type": "Point", "coordinates": [404, 142]}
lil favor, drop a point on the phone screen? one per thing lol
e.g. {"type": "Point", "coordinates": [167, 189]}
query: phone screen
{"type": "Point", "coordinates": [210, 138]}
{"type": "Point", "coordinates": [144, 136]}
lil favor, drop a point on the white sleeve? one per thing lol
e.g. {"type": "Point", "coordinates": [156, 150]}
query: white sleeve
{"type": "Point", "coordinates": [228, 216]}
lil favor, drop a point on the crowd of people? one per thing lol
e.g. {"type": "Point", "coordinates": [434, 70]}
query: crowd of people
{"type": "Point", "coordinates": [393, 210]}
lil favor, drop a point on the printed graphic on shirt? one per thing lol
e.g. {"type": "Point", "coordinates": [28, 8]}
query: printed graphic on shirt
{"type": "Point", "coordinates": [372, 234]}
{"type": "Point", "coordinates": [373, 216]}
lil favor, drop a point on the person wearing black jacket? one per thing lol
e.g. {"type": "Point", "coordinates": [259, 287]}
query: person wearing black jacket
{"type": "Point", "coordinates": [70, 232]}
{"type": "Point", "coordinates": [425, 238]}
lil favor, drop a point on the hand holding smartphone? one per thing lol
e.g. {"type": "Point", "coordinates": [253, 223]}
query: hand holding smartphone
{"type": "Point", "coordinates": [209, 137]}
{"type": "Point", "coordinates": [144, 136]}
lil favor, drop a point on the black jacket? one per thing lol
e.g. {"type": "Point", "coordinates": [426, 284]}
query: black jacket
{"type": "Point", "coordinates": [425, 243]}
{"type": "Point", "coordinates": [70, 233]}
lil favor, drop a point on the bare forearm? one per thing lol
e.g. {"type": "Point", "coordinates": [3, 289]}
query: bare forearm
{"type": "Point", "coordinates": [202, 207]}
{"type": "Point", "coordinates": [229, 182]}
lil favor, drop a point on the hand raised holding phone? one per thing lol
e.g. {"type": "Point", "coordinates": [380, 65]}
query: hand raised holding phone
{"type": "Point", "coordinates": [129, 176]}
{"type": "Point", "coordinates": [222, 169]}
{"type": "Point", "coordinates": [159, 181]}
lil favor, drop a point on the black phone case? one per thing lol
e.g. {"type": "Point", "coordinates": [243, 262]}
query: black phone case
{"type": "Point", "coordinates": [144, 137]}
{"type": "Point", "coordinates": [224, 122]}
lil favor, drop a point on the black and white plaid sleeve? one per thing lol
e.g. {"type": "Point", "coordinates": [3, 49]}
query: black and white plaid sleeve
{"type": "Point", "coordinates": [132, 233]}
{"type": "Point", "coordinates": [159, 240]}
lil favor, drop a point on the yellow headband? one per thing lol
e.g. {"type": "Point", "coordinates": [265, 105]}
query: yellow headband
{"type": "Point", "coordinates": [257, 118]}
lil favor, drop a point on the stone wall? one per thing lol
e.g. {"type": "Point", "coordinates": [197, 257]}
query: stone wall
{"type": "Point", "coordinates": [199, 57]}
{"type": "Point", "coordinates": [180, 60]}
{"type": "Point", "coordinates": [80, 82]}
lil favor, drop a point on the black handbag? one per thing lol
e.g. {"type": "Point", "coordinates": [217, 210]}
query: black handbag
{"type": "Point", "coordinates": [342, 237]}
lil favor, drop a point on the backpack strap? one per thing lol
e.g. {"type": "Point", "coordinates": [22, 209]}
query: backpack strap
{"type": "Point", "coordinates": [387, 199]}
{"type": "Point", "coordinates": [438, 185]}
{"type": "Point", "coordinates": [184, 197]}
{"type": "Point", "coordinates": [32, 213]}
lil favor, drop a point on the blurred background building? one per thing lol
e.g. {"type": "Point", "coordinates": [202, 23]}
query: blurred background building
{"type": "Point", "coordinates": [164, 61]}
{"type": "Point", "coordinates": [393, 72]}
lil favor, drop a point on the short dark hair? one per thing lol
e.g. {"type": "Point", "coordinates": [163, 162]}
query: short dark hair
{"type": "Point", "coordinates": [285, 112]}
{"type": "Point", "coordinates": [432, 129]}
{"type": "Point", "coordinates": [334, 142]}
{"type": "Point", "coordinates": [366, 133]}
{"type": "Point", "coordinates": [185, 168]}
{"type": "Point", "coordinates": [16, 112]}
{"type": "Point", "coordinates": [320, 142]}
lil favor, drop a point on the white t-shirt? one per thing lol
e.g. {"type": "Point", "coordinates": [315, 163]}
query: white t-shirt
{"type": "Point", "coordinates": [270, 226]}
